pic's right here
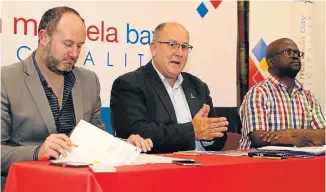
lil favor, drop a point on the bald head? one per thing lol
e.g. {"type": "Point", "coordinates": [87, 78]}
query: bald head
{"type": "Point", "coordinates": [277, 46]}
{"type": "Point", "coordinates": [166, 27]}
{"type": "Point", "coordinates": [169, 49]}
{"type": "Point", "coordinates": [52, 17]}
{"type": "Point", "coordinates": [283, 58]}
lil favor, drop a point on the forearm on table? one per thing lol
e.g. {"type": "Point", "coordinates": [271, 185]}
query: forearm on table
{"type": "Point", "coordinates": [257, 140]}
{"type": "Point", "coordinates": [314, 134]}
{"type": "Point", "coordinates": [299, 136]}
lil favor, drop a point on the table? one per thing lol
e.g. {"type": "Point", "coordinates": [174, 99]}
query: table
{"type": "Point", "coordinates": [218, 173]}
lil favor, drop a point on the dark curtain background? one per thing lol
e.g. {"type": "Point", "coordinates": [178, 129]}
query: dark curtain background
{"type": "Point", "coordinates": [242, 55]}
{"type": "Point", "coordinates": [243, 50]}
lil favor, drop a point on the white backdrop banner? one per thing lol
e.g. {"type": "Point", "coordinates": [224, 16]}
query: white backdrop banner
{"type": "Point", "coordinates": [119, 34]}
{"type": "Point", "coordinates": [301, 20]}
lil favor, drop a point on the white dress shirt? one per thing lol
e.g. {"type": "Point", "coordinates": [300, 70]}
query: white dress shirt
{"type": "Point", "coordinates": [180, 104]}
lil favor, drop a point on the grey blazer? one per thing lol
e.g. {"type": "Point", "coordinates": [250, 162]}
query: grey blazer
{"type": "Point", "coordinates": [26, 117]}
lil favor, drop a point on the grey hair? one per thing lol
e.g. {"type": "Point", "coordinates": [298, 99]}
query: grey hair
{"type": "Point", "coordinates": [157, 30]}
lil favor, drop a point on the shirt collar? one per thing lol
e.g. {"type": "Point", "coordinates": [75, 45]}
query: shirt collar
{"type": "Point", "coordinates": [70, 77]}
{"type": "Point", "coordinates": [177, 82]}
{"type": "Point", "coordinates": [42, 78]}
{"type": "Point", "coordinates": [277, 82]}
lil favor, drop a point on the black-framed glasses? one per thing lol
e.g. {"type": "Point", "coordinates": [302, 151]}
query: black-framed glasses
{"type": "Point", "coordinates": [175, 46]}
{"type": "Point", "coordinates": [289, 53]}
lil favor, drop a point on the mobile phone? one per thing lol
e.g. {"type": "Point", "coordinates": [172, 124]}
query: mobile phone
{"type": "Point", "coordinates": [76, 164]}
{"type": "Point", "coordinates": [187, 162]}
{"type": "Point", "coordinates": [269, 154]}
{"type": "Point", "coordinates": [56, 163]}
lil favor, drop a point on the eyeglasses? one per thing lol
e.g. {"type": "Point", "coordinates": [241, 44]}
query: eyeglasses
{"type": "Point", "coordinates": [289, 53]}
{"type": "Point", "coordinates": [175, 46]}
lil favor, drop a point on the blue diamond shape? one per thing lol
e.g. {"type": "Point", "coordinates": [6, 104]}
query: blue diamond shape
{"type": "Point", "coordinates": [202, 10]}
{"type": "Point", "coordinates": [259, 50]}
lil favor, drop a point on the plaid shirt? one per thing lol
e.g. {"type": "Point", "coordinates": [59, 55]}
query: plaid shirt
{"type": "Point", "coordinates": [269, 107]}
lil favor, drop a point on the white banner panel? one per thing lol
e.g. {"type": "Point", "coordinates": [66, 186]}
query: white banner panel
{"type": "Point", "coordinates": [119, 34]}
{"type": "Point", "coordinates": [301, 20]}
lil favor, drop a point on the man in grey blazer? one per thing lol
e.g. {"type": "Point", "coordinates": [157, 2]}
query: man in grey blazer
{"type": "Point", "coordinates": [45, 96]}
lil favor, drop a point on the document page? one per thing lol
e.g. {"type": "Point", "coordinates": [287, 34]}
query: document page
{"type": "Point", "coordinates": [97, 146]}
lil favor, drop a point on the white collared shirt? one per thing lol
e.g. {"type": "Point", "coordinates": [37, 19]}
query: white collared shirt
{"type": "Point", "coordinates": [180, 104]}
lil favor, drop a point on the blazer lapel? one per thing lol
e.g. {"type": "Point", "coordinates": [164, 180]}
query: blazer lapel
{"type": "Point", "coordinates": [77, 98]}
{"type": "Point", "coordinates": [161, 91]}
{"type": "Point", "coordinates": [35, 87]}
{"type": "Point", "coordinates": [191, 96]}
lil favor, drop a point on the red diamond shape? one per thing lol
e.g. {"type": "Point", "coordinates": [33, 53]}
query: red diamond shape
{"type": "Point", "coordinates": [254, 74]}
{"type": "Point", "coordinates": [216, 3]}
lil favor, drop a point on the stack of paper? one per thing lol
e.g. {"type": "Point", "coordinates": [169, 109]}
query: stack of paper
{"type": "Point", "coordinates": [101, 168]}
{"type": "Point", "coordinates": [313, 151]}
{"type": "Point", "coordinates": [104, 151]}
{"type": "Point", "coordinates": [96, 146]}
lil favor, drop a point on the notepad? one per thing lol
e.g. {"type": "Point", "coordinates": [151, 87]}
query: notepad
{"type": "Point", "coordinates": [102, 168]}
{"type": "Point", "coordinates": [313, 151]}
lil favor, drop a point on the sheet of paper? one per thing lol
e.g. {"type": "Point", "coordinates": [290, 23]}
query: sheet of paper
{"type": "Point", "coordinates": [97, 146]}
{"type": "Point", "coordinates": [152, 159]}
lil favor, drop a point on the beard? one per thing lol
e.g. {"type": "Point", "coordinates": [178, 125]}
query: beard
{"type": "Point", "coordinates": [290, 71]}
{"type": "Point", "coordinates": [53, 63]}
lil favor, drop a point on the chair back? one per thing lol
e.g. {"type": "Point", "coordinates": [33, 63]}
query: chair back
{"type": "Point", "coordinates": [232, 142]}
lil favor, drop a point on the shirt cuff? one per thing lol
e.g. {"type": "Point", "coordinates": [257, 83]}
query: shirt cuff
{"type": "Point", "coordinates": [207, 143]}
{"type": "Point", "coordinates": [35, 155]}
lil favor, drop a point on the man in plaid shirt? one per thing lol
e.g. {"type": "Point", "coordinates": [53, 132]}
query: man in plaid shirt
{"type": "Point", "coordinates": [278, 111]}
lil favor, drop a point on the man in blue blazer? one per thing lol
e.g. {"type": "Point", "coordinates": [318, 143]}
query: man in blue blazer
{"type": "Point", "coordinates": [158, 101]}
